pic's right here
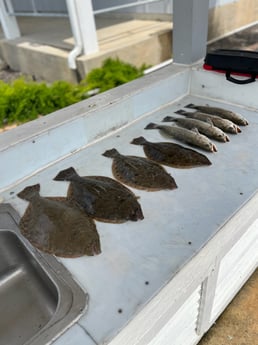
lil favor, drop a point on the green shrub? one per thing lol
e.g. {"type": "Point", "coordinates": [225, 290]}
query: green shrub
{"type": "Point", "coordinates": [113, 72]}
{"type": "Point", "coordinates": [23, 100]}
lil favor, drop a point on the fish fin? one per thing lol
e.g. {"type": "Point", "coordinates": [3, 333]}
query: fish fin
{"type": "Point", "coordinates": [209, 121]}
{"type": "Point", "coordinates": [191, 106]}
{"type": "Point", "coordinates": [181, 112]}
{"type": "Point", "coordinates": [89, 199]}
{"type": "Point", "coordinates": [151, 126]}
{"type": "Point", "coordinates": [65, 175]}
{"type": "Point", "coordinates": [139, 141]}
{"type": "Point", "coordinates": [169, 119]}
{"type": "Point", "coordinates": [28, 192]}
{"type": "Point", "coordinates": [111, 153]}
{"type": "Point", "coordinates": [195, 130]}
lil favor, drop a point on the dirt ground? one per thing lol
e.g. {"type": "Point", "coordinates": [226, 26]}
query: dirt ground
{"type": "Point", "coordinates": [238, 324]}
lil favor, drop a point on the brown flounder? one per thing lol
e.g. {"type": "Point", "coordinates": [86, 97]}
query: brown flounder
{"type": "Point", "coordinates": [55, 227]}
{"type": "Point", "coordinates": [191, 137]}
{"type": "Point", "coordinates": [101, 197]}
{"type": "Point", "coordinates": [224, 113]}
{"type": "Point", "coordinates": [140, 172]}
{"type": "Point", "coordinates": [224, 124]}
{"type": "Point", "coordinates": [171, 154]}
{"type": "Point", "coordinates": [206, 128]}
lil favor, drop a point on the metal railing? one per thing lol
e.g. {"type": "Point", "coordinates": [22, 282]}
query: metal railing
{"type": "Point", "coordinates": [131, 4]}
{"type": "Point", "coordinates": [81, 15]}
{"type": "Point", "coordinates": [36, 12]}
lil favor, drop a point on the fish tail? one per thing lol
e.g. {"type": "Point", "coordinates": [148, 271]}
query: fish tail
{"type": "Point", "coordinates": [169, 119]}
{"type": "Point", "coordinates": [151, 126]}
{"type": "Point", "coordinates": [111, 153]}
{"type": "Point", "coordinates": [139, 141]}
{"type": "Point", "coordinates": [66, 175]}
{"type": "Point", "coordinates": [191, 106]}
{"type": "Point", "coordinates": [181, 112]}
{"type": "Point", "coordinates": [28, 192]}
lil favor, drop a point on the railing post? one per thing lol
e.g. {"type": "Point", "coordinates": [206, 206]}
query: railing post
{"type": "Point", "coordinates": [9, 23]}
{"type": "Point", "coordinates": [83, 20]}
{"type": "Point", "coordinates": [190, 29]}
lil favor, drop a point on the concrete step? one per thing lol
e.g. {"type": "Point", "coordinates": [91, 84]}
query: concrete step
{"type": "Point", "coordinates": [43, 49]}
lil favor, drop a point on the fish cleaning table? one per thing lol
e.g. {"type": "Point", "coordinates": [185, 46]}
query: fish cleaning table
{"type": "Point", "coordinates": [167, 278]}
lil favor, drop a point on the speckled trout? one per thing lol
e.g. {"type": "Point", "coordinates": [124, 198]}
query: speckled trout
{"type": "Point", "coordinates": [225, 114]}
{"type": "Point", "coordinates": [205, 128]}
{"type": "Point", "coordinates": [224, 124]}
{"type": "Point", "coordinates": [192, 137]}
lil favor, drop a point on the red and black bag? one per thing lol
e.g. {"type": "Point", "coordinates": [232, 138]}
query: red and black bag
{"type": "Point", "coordinates": [233, 62]}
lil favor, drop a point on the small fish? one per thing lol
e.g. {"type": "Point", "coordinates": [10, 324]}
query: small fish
{"type": "Point", "coordinates": [205, 128]}
{"type": "Point", "coordinates": [192, 137]}
{"type": "Point", "coordinates": [101, 197]}
{"type": "Point", "coordinates": [172, 154]}
{"type": "Point", "coordinates": [56, 227]}
{"type": "Point", "coordinates": [140, 172]}
{"type": "Point", "coordinates": [225, 114]}
{"type": "Point", "coordinates": [224, 124]}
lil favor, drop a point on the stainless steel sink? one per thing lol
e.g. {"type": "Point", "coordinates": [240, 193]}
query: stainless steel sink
{"type": "Point", "coordinates": [39, 299]}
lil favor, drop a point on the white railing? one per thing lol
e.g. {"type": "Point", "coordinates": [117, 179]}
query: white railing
{"type": "Point", "coordinates": [188, 25]}
{"type": "Point", "coordinates": [36, 12]}
{"type": "Point", "coordinates": [120, 7]}
{"type": "Point", "coordinates": [81, 15]}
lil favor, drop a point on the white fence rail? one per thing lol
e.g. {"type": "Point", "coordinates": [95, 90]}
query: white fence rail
{"type": "Point", "coordinates": [81, 15]}
{"type": "Point", "coordinates": [59, 8]}
{"type": "Point", "coordinates": [190, 25]}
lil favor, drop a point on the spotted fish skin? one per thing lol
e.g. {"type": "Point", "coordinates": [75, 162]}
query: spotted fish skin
{"type": "Point", "coordinates": [172, 154]}
{"type": "Point", "coordinates": [224, 124]}
{"type": "Point", "coordinates": [139, 172]}
{"type": "Point", "coordinates": [101, 197]}
{"type": "Point", "coordinates": [56, 227]}
{"type": "Point", "coordinates": [191, 137]}
{"type": "Point", "coordinates": [226, 114]}
{"type": "Point", "coordinates": [205, 128]}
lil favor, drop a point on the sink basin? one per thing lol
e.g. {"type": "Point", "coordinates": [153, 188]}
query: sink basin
{"type": "Point", "coordinates": [39, 299]}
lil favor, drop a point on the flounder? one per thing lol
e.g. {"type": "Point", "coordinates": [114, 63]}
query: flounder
{"type": "Point", "coordinates": [140, 172]}
{"type": "Point", "coordinates": [101, 197]}
{"type": "Point", "coordinates": [192, 137]}
{"type": "Point", "coordinates": [224, 124]}
{"type": "Point", "coordinates": [55, 227]}
{"type": "Point", "coordinates": [172, 154]}
{"type": "Point", "coordinates": [206, 128]}
{"type": "Point", "coordinates": [224, 113]}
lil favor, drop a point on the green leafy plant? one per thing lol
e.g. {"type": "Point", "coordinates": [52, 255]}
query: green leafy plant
{"type": "Point", "coordinates": [113, 72]}
{"type": "Point", "coordinates": [24, 100]}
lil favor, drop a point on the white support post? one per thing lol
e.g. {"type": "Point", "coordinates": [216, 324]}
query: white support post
{"type": "Point", "coordinates": [190, 28]}
{"type": "Point", "coordinates": [209, 286]}
{"type": "Point", "coordinates": [87, 26]}
{"type": "Point", "coordinates": [9, 23]}
{"type": "Point", "coordinates": [83, 21]}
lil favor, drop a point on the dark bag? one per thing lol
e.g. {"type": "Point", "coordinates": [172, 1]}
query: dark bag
{"type": "Point", "coordinates": [237, 62]}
